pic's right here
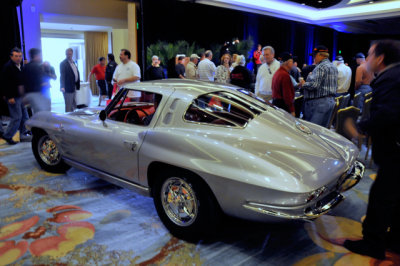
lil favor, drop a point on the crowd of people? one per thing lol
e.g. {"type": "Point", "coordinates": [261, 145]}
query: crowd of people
{"type": "Point", "coordinates": [26, 87]}
{"type": "Point", "coordinates": [277, 79]}
{"type": "Point", "coordinates": [272, 79]}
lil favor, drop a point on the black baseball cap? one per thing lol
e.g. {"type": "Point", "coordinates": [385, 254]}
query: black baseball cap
{"type": "Point", "coordinates": [320, 48]}
{"type": "Point", "coordinates": [360, 55]}
{"type": "Point", "coordinates": [286, 56]}
{"type": "Point", "coordinates": [339, 58]}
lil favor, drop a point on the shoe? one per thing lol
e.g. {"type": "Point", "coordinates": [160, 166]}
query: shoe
{"type": "Point", "coordinates": [10, 141]}
{"type": "Point", "coordinates": [25, 137]}
{"type": "Point", "coordinates": [365, 248]}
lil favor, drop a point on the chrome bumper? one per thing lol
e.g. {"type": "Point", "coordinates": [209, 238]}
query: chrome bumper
{"type": "Point", "coordinates": [322, 205]}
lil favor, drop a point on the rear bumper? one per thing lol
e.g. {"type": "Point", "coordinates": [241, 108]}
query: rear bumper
{"type": "Point", "coordinates": [320, 206]}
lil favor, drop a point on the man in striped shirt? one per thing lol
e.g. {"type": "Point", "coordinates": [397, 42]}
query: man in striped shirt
{"type": "Point", "coordinates": [320, 88]}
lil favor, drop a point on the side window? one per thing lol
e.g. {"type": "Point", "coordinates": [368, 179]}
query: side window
{"type": "Point", "coordinates": [221, 108]}
{"type": "Point", "coordinates": [135, 107]}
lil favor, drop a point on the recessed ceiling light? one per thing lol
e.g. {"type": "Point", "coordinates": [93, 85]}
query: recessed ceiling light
{"type": "Point", "coordinates": [371, 2]}
{"type": "Point", "coordinates": [303, 4]}
{"type": "Point", "coordinates": [320, 1]}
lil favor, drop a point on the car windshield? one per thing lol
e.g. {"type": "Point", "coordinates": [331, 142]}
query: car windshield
{"type": "Point", "coordinates": [223, 108]}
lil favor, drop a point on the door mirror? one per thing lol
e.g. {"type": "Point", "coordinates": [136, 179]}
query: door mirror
{"type": "Point", "coordinates": [103, 115]}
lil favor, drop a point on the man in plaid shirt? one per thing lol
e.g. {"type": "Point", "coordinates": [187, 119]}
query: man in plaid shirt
{"type": "Point", "coordinates": [320, 88]}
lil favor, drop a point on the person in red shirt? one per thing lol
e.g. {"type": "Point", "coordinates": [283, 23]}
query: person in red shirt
{"type": "Point", "coordinates": [99, 72]}
{"type": "Point", "coordinates": [256, 59]}
{"type": "Point", "coordinates": [282, 85]}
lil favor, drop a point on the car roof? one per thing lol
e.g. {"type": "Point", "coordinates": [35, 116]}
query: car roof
{"type": "Point", "coordinates": [193, 87]}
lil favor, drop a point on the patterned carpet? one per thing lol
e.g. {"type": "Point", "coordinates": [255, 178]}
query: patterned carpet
{"type": "Point", "coordinates": [77, 219]}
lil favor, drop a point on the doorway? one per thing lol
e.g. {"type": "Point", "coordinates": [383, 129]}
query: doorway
{"type": "Point", "coordinates": [53, 51]}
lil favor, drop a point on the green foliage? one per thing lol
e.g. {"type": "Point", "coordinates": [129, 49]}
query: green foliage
{"type": "Point", "coordinates": [244, 47]}
{"type": "Point", "coordinates": [166, 51]}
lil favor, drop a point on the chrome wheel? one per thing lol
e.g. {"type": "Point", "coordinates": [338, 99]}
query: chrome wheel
{"type": "Point", "coordinates": [48, 151]}
{"type": "Point", "coordinates": [179, 201]}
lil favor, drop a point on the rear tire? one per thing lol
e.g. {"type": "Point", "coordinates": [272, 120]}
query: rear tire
{"type": "Point", "coordinates": [47, 155]}
{"type": "Point", "coordinates": [186, 205]}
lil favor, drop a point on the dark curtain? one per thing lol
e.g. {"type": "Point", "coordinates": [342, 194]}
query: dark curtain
{"type": "Point", "coordinates": [11, 38]}
{"type": "Point", "coordinates": [10, 28]}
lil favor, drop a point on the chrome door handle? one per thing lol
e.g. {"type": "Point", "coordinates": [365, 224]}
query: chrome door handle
{"type": "Point", "coordinates": [130, 144]}
{"type": "Point", "coordinates": [60, 128]}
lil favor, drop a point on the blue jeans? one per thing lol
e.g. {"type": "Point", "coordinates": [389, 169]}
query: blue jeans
{"type": "Point", "coordinates": [18, 116]}
{"type": "Point", "coordinates": [319, 111]}
{"type": "Point", "coordinates": [363, 89]}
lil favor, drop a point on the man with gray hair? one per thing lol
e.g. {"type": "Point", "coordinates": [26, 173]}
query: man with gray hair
{"type": "Point", "coordinates": [191, 67]}
{"type": "Point", "coordinates": [155, 71]}
{"type": "Point", "coordinates": [207, 68]}
{"type": "Point", "coordinates": [69, 80]}
{"type": "Point", "coordinates": [265, 73]}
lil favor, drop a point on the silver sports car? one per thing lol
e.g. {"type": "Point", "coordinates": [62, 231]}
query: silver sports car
{"type": "Point", "coordinates": [201, 149]}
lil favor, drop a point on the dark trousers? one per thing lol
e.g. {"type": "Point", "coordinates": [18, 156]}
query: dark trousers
{"type": "Point", "coordinates": [281, 104]}
{"type": "Point", "coordinates": [109, 89]}
{"type": "Point", "coordinates": [384, 205]}
{"type": "Point", "coordinates": [101, 85]}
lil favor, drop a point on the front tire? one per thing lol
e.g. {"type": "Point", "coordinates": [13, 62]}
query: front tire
{"type": "Point", "coordinates": [47, 155]}
{"type": "Point", "coordinates": [186, 205]}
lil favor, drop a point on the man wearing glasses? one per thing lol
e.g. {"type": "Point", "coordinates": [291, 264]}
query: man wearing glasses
{"type": "Point", "coordinates": [265, 74]}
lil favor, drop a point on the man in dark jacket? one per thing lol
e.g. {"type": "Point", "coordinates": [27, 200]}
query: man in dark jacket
{"type": "Point", "coordinates": [69, 80]}
{"type": "Point", "coordinates": [110, 68]}
{"type": "Point", "coordinates": [36, 84]}
{"type": "Point", "coordinates": [381, 227]}
{"type": "Point", "coordinates": [13, 84]}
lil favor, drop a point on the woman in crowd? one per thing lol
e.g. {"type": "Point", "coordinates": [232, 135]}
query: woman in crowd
{"type": "Point", "coordinates": [240, 75]}
{"type": "Point", "coordinates": [222, 75]}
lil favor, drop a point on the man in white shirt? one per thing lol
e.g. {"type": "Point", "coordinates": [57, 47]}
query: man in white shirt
{"type": "Point", "coordinates": [344, 76]}
{"type": "Point", "coordinates": [206, 68]}
{"type": "Point", "coordinates": [126, 73]}
{"type": "Point", "coordinates": [265, 74]}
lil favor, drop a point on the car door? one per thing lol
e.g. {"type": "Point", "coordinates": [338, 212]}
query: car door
{"type": "Point", "coordinates": [111, 146]}
{"type": "Point", "coordinates": [115, 149]}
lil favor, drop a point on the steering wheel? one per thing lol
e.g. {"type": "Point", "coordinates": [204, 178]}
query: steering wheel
{"type": "Point", "coordinates": [132, 117]}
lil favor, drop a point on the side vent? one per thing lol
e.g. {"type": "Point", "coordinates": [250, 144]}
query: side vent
{"type": "Point", "coordinates": [168, 117]}
{"type": "Point", "coordinates": [174, 104]}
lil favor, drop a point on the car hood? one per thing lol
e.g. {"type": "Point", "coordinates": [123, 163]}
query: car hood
{"type": "Point", "coordinates": [86, 111]}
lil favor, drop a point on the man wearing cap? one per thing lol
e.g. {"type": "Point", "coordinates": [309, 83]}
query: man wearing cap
{"type": "Point", "coordinates": [344, 76]}
{"type": "Point", "coordinates": [320, 88]}
{"type": "Point", "coordinates": [191, 67]}
{"type": "Point", "coordinates": [180, 68]}
{"type": "Point", "coordinates": [282, 85]}
{"type": "Point", "coordinates": [362, 81]}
